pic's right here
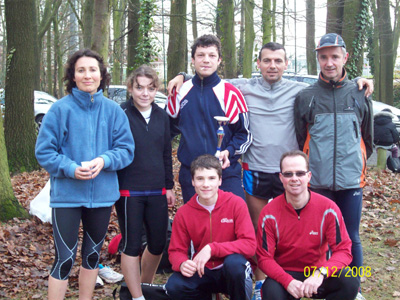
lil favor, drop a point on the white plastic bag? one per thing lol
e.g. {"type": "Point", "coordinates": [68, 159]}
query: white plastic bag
{"type": "Point", "coordinates": [40, 206]}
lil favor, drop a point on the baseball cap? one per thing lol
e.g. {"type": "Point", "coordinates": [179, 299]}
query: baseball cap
{"type": "Point", "coordinates": [330, 40]}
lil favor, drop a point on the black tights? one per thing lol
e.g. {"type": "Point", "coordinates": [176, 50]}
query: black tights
{"type": "Point", "coordinates": [66, 223]}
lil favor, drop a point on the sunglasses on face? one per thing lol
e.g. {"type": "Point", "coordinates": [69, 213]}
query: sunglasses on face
{"type": "Point", "coordinates": [298, 174]}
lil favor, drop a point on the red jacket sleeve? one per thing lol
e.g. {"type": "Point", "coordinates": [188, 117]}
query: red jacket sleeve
{"type": "Point", "coordinates": [179, 243]}
{"type": "Point", "coordinates": [338, 240]}
{"type": "Point", "coordinates": [266, 243]}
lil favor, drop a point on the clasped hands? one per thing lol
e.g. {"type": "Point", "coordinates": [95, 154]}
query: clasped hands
{"type": "Point", "coordinates": [189, 267]}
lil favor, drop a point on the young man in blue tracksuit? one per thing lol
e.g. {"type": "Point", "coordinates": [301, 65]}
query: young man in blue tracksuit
{"type": "Point", "coordinates": [193, 110]}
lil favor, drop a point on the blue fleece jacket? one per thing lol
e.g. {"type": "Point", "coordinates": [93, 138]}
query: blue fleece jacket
{"type": "Point", "coordinates": [81, 127]}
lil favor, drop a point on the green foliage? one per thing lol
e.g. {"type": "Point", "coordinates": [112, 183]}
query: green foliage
{"type": "Point", "coordinates": [396, 94]}
{"type": "Point", "coordinates": [146, 48]}
{"type": "Point", "coordinates": [362, 24]}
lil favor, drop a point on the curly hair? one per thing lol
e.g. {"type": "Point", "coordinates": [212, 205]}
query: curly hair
{"type": "Point", "coordinates": [207, 40]}
{"type": "Point", "coordinates": [70, 69]}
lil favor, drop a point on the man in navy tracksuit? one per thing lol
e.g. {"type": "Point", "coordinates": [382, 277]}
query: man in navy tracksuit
{"type": "Point", "coordinates": [193, 110]}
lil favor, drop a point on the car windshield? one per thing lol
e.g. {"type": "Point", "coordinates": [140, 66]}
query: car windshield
{"type": "Point", "coordinates": [44, 98]}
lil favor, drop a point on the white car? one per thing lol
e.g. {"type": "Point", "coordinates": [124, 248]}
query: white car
{"type": "Point", "coordinates": [43, 102]}
{"type": "Point", "coordinates": [117, 93]}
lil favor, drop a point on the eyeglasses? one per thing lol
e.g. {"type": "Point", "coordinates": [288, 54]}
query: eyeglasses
{"type": "Point", "coordinates": [298, 174]}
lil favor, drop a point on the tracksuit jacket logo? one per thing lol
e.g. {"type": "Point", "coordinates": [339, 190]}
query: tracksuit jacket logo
{"type": "Point", "coordinates": [226, 220]}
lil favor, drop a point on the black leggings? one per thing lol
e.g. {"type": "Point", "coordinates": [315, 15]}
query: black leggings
{"type": "Point", "coordinates": [66, 223]}
{"type": "Point", "coordinates": [332, 288]}
{"type": "Point", "coordinates": [133, 212]}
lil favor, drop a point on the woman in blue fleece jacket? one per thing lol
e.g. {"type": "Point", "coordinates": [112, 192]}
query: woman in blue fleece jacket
{"type": "Point", "coordinates": [84, 139]}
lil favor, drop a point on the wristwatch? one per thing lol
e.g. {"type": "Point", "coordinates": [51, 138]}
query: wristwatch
{"type": "Point", "coordinates": [182, 73]}
{"type": "Point", "coordinates": [323, 271]}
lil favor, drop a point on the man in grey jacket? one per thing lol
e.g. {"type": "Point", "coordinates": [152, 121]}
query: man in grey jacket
{"type": "Point", "coordinates": [270, 99]}
{"type": "Point", "coordinates": [333, 121]}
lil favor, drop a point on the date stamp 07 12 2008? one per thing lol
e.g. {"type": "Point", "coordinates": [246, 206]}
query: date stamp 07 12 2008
{"type": "Point", "coordinates": [335, 272]}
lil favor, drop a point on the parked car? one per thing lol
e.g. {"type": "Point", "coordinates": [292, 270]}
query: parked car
{"type": "Point", "coordinates": [310, 79]}
{"type": "Point", "coordinates": [117, 93]}
{"type": "Point", "coordinates": [42, 103]}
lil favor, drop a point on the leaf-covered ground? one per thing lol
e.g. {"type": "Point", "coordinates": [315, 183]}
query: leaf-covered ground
{"type": "Point", "coordinates": [26, 246]}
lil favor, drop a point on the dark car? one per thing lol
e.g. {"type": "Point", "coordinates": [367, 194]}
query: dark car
{"type": "Point", "coordinates": [117, 93]}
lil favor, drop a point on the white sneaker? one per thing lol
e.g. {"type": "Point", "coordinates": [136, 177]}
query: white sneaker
{"type": "Point", "coordinates": [109, 275]}
{"type": "Point", "coordinates": [99, 282]}
{"type": "Point", "coordinates": [359, 297]}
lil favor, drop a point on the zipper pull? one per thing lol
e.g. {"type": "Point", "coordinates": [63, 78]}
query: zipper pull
{"type": "Point", "coordinates": [92, 99]}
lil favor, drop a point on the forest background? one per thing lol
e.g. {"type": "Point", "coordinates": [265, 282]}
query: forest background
{"type": "Point", "coordinates": [36, 37]}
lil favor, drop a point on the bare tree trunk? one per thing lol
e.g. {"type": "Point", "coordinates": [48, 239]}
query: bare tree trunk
{"type": "Point", "coordinates": [49, 63]}
{"type": "Point", "coordinates": [334, 16]}
{"type": "Point", "coordinates": [20, 132]}
{"type": "Point", "coordinates": [266, 21]}
{"type": "Point", "coordinates": [273, 20]}
{"type": "Point", "coordinates": [9, 206]}
{"type": "Point", "coordinates": [241, 37]}
{"type": "Point", "coordinates": [376, 51]}
{"type": "Point", "coordinates": [3, 49]}
{"type": "Point", "coordinates": [73, 40]}
{"type": "Point", "coordinates": [118, 13]}
{"type": "Point", "coordinates": [58, 56]}
{"type": "Point", "coordinates": [396, 30]}
{"type": "Point", "coordinates": [310, 38]}
{"type": "Point", "coordinates": [249, 39]}
{"type": "Point", "coordinates": [194, 19]}
{"type": "Point", "coordinates": [87, 20]}
{"type": "Point", "coordinates": [177, 46]}
{"type": "Point", "coordinates": [354, 36]}
{"type": "Point", "coordinates": [386, 52]}
{"type": "Point", "coordinates": [225, 28]}
{"type": "Point", "coordinates": [133, 36]}
{"type": "Point", "coordinates": [101, 27]}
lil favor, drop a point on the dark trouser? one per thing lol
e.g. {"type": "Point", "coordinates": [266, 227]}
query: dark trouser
{"type": "Point", "coordinates": [133, 212]}
{"type": "Point", "coordinates": [66, 223]}
{"type": "Point", "coordinates": [350, 204]}
{"type": "Point", "coordinates": [332, 288]}
{"type": "Point", "coordinates": [234, 279]}
{"type": "Point", "coordinates": [231, 182]}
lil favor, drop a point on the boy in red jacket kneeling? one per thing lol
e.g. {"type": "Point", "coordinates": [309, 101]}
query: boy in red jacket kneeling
{"type": "Point", "coordinates": [216, 227]}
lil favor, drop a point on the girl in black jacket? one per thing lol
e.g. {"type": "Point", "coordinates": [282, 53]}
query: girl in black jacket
{"type": "Point", "coordinates": [145, 185]}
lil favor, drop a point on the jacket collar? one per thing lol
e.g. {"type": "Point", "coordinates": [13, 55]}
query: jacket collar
{"type": "Point", "coordinates": [270, 86]}
{"type": "Point", "coordinates": [211, 80]}
{"type": "Point", "coordinates": [133, 107]}
{"type": "Point", "coordinates": [333, 84]}
{"type": "Point", "coordinates": [221, 199]}
{"type": "Point", "coordinates": [84, 99]}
